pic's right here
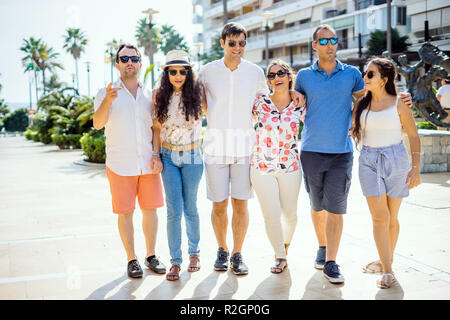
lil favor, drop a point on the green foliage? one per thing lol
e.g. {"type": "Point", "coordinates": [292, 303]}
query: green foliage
{"type": "Point", "coordinates": [215, 53]}
{"type": "Point", "coordinates": [28, 134]}
{"type": "Point", "coordinates": [39, 57]}
{"type": "Point", "coordinates": [377, 42]}
{"type": "Point", "coordinates": [67, 141]}
{"type": "Point", "coordinates": [4, 111]}
{"type": "Point", "coordinates": [163, 39]}
{"type": "Point", "coordinates": [93, 145]}
{"type": "Point", "coordinates": [425, 125]}
{"type": "Point", "coordinates": [63, 114]}
{"type": "Point", "coordinates": [171, 40]}
{"type": "Point", "coordinates": [17, 120]}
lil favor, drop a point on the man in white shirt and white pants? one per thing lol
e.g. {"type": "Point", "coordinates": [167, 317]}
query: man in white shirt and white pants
{"type": "Point", "coordinates": [230, 86]}
{"type": "Point", "coordinates": [133, 161]}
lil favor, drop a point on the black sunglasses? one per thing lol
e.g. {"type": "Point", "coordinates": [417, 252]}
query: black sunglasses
{"type": "Point", "coordinates": [369, 74]}
{"type": "Point", "coordinates": [134, 59]}
{"type": "Point", "coordinates": [279, 73]}
{"type": "Point", "coordinates": [183, 72]}
{"type": "Point", "coordinates": [232, 43]}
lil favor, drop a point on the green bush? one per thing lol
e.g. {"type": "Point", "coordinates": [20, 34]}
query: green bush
{"type": "Point", "coordinates": [35, 136]}
{"type": "Point", "coordinates": [17, 120]}
{"type": "Point", "coordinates": [66, 141]}
{"type": "Point", "coordinates": [93, 145]}
{"type": "Point", "coordinates": [425, 125]}
{"type": "Point", "coordinates": [29, 134]}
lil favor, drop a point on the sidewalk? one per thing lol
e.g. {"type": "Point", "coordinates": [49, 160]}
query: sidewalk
{"type": "Point", "coordinates": [59, 240]}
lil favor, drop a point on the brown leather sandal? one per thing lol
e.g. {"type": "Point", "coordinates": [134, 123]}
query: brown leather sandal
{"type": "Point", "coordinates": [174, 273]}
{"type": "Point", "coordinates": [194, 263]}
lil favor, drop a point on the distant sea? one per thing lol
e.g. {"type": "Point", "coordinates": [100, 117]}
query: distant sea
{"type": "Point", "coordinates": [18, 105]}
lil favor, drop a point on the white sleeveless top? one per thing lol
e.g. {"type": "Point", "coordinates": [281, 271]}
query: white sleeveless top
{"type": "Point", "coordinates": [381, 128]}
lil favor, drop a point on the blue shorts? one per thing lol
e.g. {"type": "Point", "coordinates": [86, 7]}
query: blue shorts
{"type": "Point", "coordinates": [384, 170]}
{"type": "Point", "coordinates": [327, 179]}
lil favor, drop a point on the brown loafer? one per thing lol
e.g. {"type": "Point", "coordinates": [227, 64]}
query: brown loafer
{"type": "Point", "coordinates": [174, 273]}
{"type": "Point", "coordinates": [194, 263]}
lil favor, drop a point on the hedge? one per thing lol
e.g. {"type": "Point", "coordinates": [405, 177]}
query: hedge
{"type": "Point", "coordinates": [93, 146]}
{"type": "Point", "coordinates": [66, 141]}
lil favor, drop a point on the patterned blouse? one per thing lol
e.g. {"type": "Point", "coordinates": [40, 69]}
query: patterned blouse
{"type": "Point", "coordinates": [176, 130]}
{"type": "Point", "coordinates": [276, 149]}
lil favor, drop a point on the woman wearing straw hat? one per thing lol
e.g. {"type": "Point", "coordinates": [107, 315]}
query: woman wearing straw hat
{"type": "Point", "coordinates": [177, 115]}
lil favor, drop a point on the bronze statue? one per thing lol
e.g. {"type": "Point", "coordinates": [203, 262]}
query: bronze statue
{"type": "Point", "coordinates": [419, 81]}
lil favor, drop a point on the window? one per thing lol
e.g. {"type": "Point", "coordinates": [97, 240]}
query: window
{"type": "Point", "coordinates": [401, 16]}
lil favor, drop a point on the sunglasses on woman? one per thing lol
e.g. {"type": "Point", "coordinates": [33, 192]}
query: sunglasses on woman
{"type": "Point", "coordinates": [173, 72]}
{"type": "Point", "coordinates": [369, 74]}
{"type": "Point", "coordinates": [280, 73]}
{"type": "Point", "coordinates": [232, 43]}
{"type": "Point", "coordinates": [324, 41]}
{"type": "Point", "coordinates": [134, 59]}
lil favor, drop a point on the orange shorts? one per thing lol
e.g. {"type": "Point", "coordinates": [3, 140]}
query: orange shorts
{"type": "Point", "coordinates": [124, 189]}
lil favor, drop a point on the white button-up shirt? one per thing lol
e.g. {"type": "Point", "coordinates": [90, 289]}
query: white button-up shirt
{"type": "Point", "coordinates": [230, 95]}
{"type": "Point", "coordinates": [128, 131]}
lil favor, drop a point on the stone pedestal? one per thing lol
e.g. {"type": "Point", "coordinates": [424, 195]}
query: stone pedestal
{"type": "Point", "coordinates": [435, 150]}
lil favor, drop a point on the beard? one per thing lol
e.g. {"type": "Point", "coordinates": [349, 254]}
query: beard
{"type": "Point", "coordinates": [130, 74]}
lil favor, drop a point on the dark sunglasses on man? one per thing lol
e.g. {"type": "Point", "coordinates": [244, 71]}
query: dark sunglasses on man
{"type": "Point", "coordinates": [324, 41]}
{"type": "Point", "coordinates": [232, 43]}
{"type": "Point", "coordinates": [369, 74]}
{"type": "Point", "coordinates": [280, 73]}
{"type": "Point", "coordinates": [134, 59]}
{"type": "Point", "coordinates": [182, 72]}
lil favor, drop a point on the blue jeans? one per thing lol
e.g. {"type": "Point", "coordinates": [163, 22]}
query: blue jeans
{"type": "Point", "coordinates": [181, 176]}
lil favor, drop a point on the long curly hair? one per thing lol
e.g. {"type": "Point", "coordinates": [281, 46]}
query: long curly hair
{"type": "Point", "coordinates": [190, 96]}
{"type": "Point", "coordinates": [387, 70]}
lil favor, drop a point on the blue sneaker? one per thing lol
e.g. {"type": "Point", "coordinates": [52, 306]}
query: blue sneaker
{"type": "Point", "coordinates": [320, 258]}
{"type": "Point", "coordinates": [332, 273]}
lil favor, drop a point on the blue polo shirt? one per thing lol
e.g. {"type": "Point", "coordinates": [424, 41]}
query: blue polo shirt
{"type": "Point", "coordinates": [328, 106]}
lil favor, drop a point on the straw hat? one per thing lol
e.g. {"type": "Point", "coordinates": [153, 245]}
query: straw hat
{"type": "Point", "coordinates": [177, 58]}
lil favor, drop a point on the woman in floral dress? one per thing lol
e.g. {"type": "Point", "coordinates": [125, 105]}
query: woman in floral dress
{"type": "Point", "coordinates": [275, 167]}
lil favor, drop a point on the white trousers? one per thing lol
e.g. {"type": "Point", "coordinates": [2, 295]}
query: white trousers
{"type": "Point", "coordinates": [278, 195]}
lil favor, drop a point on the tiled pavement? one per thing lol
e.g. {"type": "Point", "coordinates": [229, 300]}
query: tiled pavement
{"type": "Point", "coordinates": [59, 240]}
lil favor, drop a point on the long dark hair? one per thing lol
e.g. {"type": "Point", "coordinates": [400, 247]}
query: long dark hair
{"type": "Point", "coordinates": [387, 70]}
{"type": "Point", "coordinates": [190, 95]}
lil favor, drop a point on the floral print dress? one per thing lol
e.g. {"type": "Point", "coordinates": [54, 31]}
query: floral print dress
{"type": "Point", "coordinates": [276, 148]}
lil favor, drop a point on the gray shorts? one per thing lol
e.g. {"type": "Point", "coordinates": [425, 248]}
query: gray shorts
{"type": "Point", "coordinates": [223, 180]}
{"type": "Point", "coordinates": [327, 179]}
{"type": "Point", "coordinates": [384, 170]}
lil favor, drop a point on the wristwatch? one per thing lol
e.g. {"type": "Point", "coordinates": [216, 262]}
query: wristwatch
{"type": "Point", "coordinates": [156, 154]}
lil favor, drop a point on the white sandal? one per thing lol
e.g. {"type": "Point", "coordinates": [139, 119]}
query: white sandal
{"type": "Point", "coordinates": [382, 283]}
{"type": "Point", "coordinates": [374, 267]}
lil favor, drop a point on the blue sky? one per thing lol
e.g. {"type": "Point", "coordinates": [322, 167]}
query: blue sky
{"type": "Point", "coordinates": [101, 21]}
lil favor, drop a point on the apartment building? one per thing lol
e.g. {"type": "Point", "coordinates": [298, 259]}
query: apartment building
{"type": "Point", "coordinates": [437, 13]}
{"type": "Point", "coordinates": [293, 22]}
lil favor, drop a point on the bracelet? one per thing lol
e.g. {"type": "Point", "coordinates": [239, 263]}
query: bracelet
{"type": "Point", "coordinates": [415, 152]}
{"type": "Point", "coordinates": [156, 154]}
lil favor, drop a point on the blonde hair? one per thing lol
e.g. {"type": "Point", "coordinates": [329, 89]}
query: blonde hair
{"type": "Point", "coordinates": [283, 65]}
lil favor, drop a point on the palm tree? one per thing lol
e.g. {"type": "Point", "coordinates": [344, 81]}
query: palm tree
{"type": "Point", "coordinates": [377, 42]}
{"type": "Point", "coordinates": [150, 45]}
{"type": "Point", "coordinates": [31, 47]}
{"type": "Point", "coordinates": [75, 42]}
{"type": "Point", "coordinates": [171, 40]}
{"type": "Point", "coordinates": [41, 55]}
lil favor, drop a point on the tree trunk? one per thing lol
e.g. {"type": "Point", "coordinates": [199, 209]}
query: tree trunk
{"type": "Point", "coordinates": [76, 72]}
{"type": "Point", "coordinates": [43, 80]}
{"type": "Point", "coordinates": [225, 12]}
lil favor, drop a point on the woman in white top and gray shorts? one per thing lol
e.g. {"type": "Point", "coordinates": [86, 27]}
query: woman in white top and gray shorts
{"type": "Point", "coordinates": [385, 173]}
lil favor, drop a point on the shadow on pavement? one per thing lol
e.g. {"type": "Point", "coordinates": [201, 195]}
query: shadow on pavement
{"type": "Point", "coordinates": [276, 287]}
{"type": "Point", "coordinates": [320, 288]}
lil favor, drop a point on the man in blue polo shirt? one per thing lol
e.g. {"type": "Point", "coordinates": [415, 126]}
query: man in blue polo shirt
{"type": "Point", "coordinates": [326, 149]}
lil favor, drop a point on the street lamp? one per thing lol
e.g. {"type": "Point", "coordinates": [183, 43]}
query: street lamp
{"type": "Point", "coordinates": [267, 25]}
{"type": "Point", "coordinates": [88, 66]}
{"type": "Point", "coordinates": [111, 46]}
{"type": "Point", "coordinates": [150, 12]}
